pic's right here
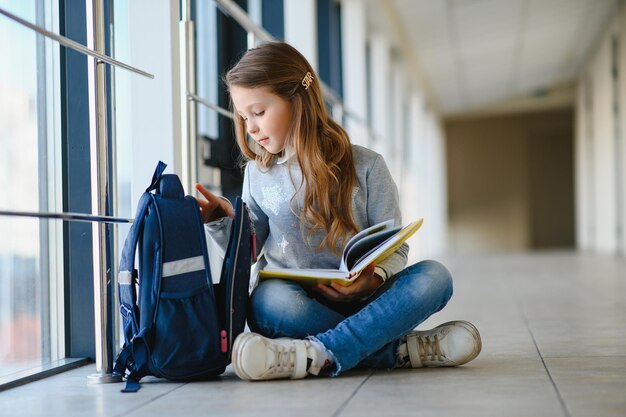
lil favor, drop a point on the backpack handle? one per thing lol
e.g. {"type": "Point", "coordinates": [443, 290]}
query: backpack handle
{"type": "Point", "coordinates": [156, 177]}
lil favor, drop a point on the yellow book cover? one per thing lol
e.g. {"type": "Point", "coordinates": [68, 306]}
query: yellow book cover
{"type": "Point", "coordinates": [373, 244]}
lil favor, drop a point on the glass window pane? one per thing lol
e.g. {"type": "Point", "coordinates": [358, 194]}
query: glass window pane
{"type": "Point", "coordinates": [30, 262]}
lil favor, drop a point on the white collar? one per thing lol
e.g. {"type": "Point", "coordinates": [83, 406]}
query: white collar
{"type": "Point", "coordinates": [287, 154]}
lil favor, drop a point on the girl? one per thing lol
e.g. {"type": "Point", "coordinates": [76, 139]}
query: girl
{"type": "Point", "coordinates": [309, 191]}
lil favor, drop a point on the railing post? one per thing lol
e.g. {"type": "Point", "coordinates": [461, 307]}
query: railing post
{"type": "Point", "coordinates": [187, 107]}
{"type": "Point", "coordinates": [99, 162]}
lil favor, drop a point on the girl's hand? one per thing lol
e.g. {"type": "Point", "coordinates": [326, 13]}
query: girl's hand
{"type": "Point", "coordinates": [363, 286]}
{"type": "Point", "coordinates": [213, 207]}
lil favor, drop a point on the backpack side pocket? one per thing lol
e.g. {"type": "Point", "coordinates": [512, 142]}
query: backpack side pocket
{"type": "Point", "coordinates": [184, 335]}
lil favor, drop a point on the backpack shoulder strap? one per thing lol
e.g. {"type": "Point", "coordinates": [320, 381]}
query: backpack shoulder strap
{"type": "Point", "coordinates": [126, 287]}
{"type": "Point", "coordinates": [127, 259]}
{"type": "Point", "coordinates": [127, 293]}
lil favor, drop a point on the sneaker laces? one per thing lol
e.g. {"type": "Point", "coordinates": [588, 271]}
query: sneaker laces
{"type": "Point", "coordinates": [429, 348]}
{"type": "Point", "coordinates": [449, 344]}
{"type": "Point", "coordinates": [284, 360]}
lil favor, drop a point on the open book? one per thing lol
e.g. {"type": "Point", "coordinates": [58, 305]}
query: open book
{"type": "Point", "coordinates": [373, 244]}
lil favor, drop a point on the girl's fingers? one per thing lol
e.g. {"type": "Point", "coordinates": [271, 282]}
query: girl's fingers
{"type": "Point", "coordinates": [230, 211]}
{"type": "Point", "coordinates": [329, 292]}
{"type": "Point", "coordinates": [212, 203]}
{"type": "Point", "coordinates": [369, 270]}
{"type": "Point", "coordinates": [210, 197]}
{"type": "Point", "coordinates": [202, 203]}
{"type": "Point", "coordinates": [348, 290]}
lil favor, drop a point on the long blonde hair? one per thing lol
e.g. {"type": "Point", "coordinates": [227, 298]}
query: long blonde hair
{"type": "Point", "coordinates": [322, 147]}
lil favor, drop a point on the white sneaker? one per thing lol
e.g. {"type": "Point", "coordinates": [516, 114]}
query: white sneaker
{"type": "Point", "coordinates": [450, 344]}
{"type": "Point", "coordinates": [259, 358]}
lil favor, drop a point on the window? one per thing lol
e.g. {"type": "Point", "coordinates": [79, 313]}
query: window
{"type": "Point", "coordinates": [31, 260]}
{"type": "Point", "coordinates": [329, 41]}
{"type": "Point", "coordinates": [224, 40]}
{"type": "Point", "coordinates": [273, 16]}
{"type": "Point", "coordinates": [121, 118]}
{"type": "Point", "coordinates": [207, 87]}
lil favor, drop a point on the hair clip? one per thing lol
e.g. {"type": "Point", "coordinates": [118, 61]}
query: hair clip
{"type": "Point", "coordinates": [307, 80]}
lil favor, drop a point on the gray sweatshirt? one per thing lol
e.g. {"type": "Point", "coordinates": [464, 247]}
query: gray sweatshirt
{"type": "Point", "coordinates": [280, 241]}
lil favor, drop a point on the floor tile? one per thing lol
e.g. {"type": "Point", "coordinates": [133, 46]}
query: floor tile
{"type": "Point", "coordinates": [487, 387]}
{"type": "Point", "coordinates": [591, 386]}
{"type": "Point", "coordinates": [233, 397]}
{"type": "Point", "coordinates": [71, 394]}
{"type": "Point", "coordinates": [585, 337]}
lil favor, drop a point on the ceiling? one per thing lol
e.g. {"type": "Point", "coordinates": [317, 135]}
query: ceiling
{"type": "Point", "coordinates": [471, 54]}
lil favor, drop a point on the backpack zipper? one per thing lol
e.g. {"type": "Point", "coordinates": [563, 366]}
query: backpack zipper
{"type": "Point", "coordinates": [252, 234]}
{"type": "Point", "coordinates": [232, 287]}
{"type": "Point", "coordinates": [223, 341]}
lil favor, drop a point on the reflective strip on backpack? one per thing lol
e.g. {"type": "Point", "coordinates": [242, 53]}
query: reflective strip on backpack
{"type": "Point", "coordinates": [125, 278]}
{"type": "Point", "coordinates": [183, 266]}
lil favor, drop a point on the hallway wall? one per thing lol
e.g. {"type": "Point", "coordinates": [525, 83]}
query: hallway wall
{"type": "Point", "coordinates": [600, 150]}
{"type": "Point", "coordinates": [510, 182]}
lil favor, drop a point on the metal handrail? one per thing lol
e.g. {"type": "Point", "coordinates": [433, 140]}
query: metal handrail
{"type": "Point", "coordinates": [215, 107]}
{"type": "Point", "coordinates": [79, 217]}
{"type": "Point", "coordinates": [74, 45]}
{"type": "Point", "coordinates": [232, 9]}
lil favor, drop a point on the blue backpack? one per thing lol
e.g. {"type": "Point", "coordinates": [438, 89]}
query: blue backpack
{"type": "Point", "coordinates": [178, 324]}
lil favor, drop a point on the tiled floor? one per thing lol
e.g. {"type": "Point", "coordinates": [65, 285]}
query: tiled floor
{"type": "Point", "coordinates": [554, 344]}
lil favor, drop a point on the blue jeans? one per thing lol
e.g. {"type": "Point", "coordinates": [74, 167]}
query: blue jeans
{"type": "Point", "coordinates": [365, 332]}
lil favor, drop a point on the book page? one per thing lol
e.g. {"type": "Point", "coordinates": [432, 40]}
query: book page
{"type": "Point", "coordinates": [387, 224]}
{"type": "Point", "coordinates": [387, 247]}
{"type": "Point", "coordinates": [366, 245]}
